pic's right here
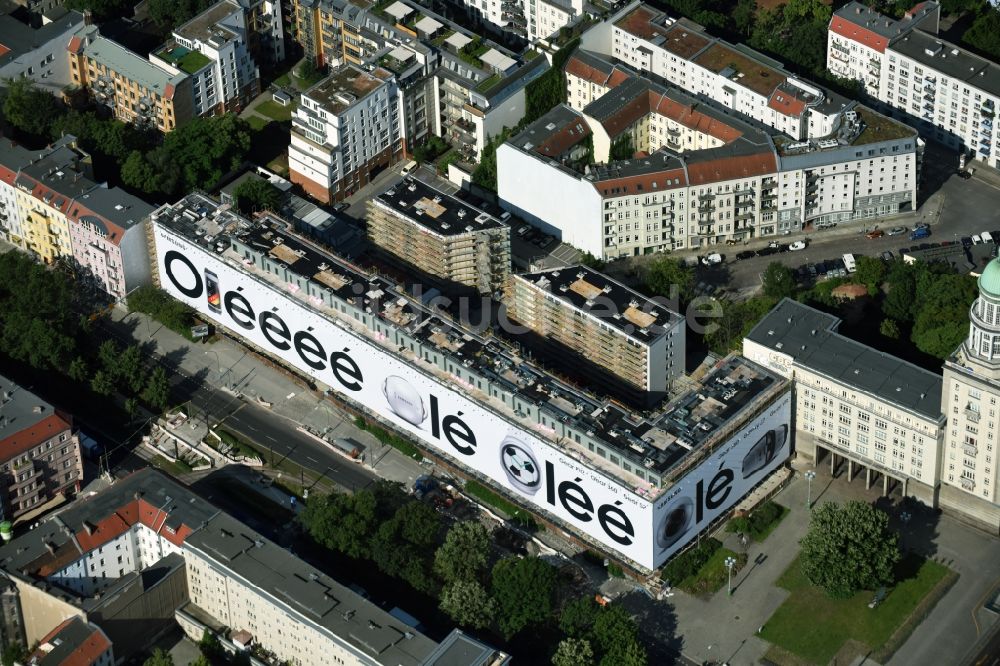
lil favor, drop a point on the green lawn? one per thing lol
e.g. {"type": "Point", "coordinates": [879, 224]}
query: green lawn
{"type": "Point", "coordinates": [274, 111]}
{"type": "Point", "coordinates": [257, 123]}
{"type": "Point", "coordinates": [811, 625]}
{"type": "Point", "coordinates": [284, 80]}
{"type": "Point", "coordinates": [713, 574]}
{"type": "Point", "coordinates": [487, 496]}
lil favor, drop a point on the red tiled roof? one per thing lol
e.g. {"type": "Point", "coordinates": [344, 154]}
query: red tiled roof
{"type": "Point", "coordinates": [785, 103]}
{"type": "Point", "coordinates": [4, 50]}
{"type": "Point", "coordinates": [559, 142]}
{"type": "Point", "coordinates": [31, 436]}
{"type": "Point", "coordinates": [85, 653]}
{"type": "Point", "coordinates": [75, 45]}
{"type": "Point", "coordinates": [651, 182]}
{"type": "Point", "coordinates": [607, 78]}
{"type": "Point", "coordinates": [694, 119]}
{"type": "Point", "coordinates": [168, 91]}
{"type": "Point", "coordinates": [115, 232]}
{"type": "Point", "coordinates": [731, 168]}
{"type": "Point", "coordinates": [860, 34]}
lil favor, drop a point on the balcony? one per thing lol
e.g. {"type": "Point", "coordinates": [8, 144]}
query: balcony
{"type": "Point", "coordinates": [970, 449]}
{"type": "Point", "coordinates": [968, 484]}
{"type": "Point", "coordinates": [706, 208]}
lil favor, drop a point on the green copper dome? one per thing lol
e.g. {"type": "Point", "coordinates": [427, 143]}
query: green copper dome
{"type": "Point", "coordinates": [989, 281]}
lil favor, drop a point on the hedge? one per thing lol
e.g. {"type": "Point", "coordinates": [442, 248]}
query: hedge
{"type": "Point", "coordinates": [690, 561]}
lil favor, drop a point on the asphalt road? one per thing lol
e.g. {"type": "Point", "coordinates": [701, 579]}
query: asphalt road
{"type": "Point", "coordinates": [989, 655]}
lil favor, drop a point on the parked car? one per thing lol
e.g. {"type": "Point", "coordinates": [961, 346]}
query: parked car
{"type": "Point", "coordinates": [874, 233]}
{"type": "Point", "coordinates": [895, 231]}
{"type": "Point", "coordinates": [812, 270]}
{"type": "Point", "coordinates": [797, 245]}
{"type": "Point", "coordinates": [964, 175]}
{"type": "Point", "coordinates": [966, 241]}
{"type": "Point", "coordinates": [887, 256]}
{"type": "Point", "coordinates": [922, 232]}
{"type": "Point", "coordinates": [341, 207]}
{"type": "Point", "coordinates": [408, 169]}
{"type": "Point", "coordinates": [746, 254]}
{"type": "Point", "coordinates": [987, 238]}
{"type": "Point", "coordinates": [712, 259]}
{"type": "Point", "coordinates": [767, 251]}
{"type": "Point", "coordinates": [523, 229]}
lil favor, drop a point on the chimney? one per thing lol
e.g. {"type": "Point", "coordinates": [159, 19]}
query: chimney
{"type": "Point", "coordinates": [88, 17]}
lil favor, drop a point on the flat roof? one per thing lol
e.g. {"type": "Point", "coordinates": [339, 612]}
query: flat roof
{"type": "Point", "coordinates": [434, 210]}
{"type": "Point", "coordinates": [428, 25]}
{"type": "Point", "coordinates": [239, 551]}
{"type": "Point", "coordinates": [949, 59]}
{"type": "Point", "coordinates": [398, 10]}
{"type": "Point", "coordinates": [617, 306]}
{"type": "Point", "coordinates": [460, 649]}
{"type": "Point", "coordinates": [343, 88]}
{"type": "Point", "coordinates": [497, 60]}
{"type": "Point", "coordinates": [457, 40]}
{"type": "Point", "coordinates": [206, 25]}
{"type": "Point", "coordinates": [20, 410]}
{"type": "Point", "coordinates": [810, 337]}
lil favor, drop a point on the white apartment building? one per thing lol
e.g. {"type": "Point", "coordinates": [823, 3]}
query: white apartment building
{"type": "Point", "coordinates": [37, 53]}
{"type": "Point", "coordinates": [946, 92]}
{"type": "Point", "coordinates": [629, 345]}
{"type": "Point", "coordinates": [734, 76]}
{"type": "Point", "coordinates": [531, 19]}
{"type": "Point", "coordinates": [214, 49]}
{"type": "Point", "coordinates": [855, 405]}
{"type": "Point", "coordinates": [701, 176]}
{"type": "Point", "coordinates": [971, 391]}
{"type": "Point", "coordinates": [345, 126]}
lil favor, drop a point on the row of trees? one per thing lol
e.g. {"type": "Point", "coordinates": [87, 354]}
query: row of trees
{"type": "Point", "coordinates": [512, 596]}
{"type": "Point", "coordinates": [194, 156]}
{"type": "Point", "coordinates": [167, 14]}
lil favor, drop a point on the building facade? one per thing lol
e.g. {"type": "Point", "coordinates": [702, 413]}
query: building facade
{"type": "Point", "coordinates": [345, 129]}
{"type": "Point", "coordinates": [55, 211]}
{"type": "Point", "coordinates": [699, 175]}
{"type": "Point", "coordinates": [635, 345]}
{"type": "Point", "coordinates": [38, 53]}
{"type": "Point", "coordinates": [945, 91]}
{"type": "Point", "coordinates": [135, 89]}
{"type": "Point", "coordinates": [970, 394]}
{"type": "Point", "coordinates": [39, 453]}
{"type": "Point", "coordinates": [440, 236]}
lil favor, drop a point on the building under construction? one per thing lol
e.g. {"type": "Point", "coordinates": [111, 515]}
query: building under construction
{"type": "Point", "coordinates": [440, 236]}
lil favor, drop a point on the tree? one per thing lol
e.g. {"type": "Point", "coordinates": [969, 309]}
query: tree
{"type": "Point", "coordinates": [743, 16]}
{"type": "Point", "coordinates": [573, 652]}
{"type": "Point", "coordinates": [626, 654]}
{"type": "Point", "coordinates": [849, 548]}
{"type": "Point", "coordinates": [578, 616]}
{"type": "Point", "coordinates": [725, 333]}
{"type": "Point", "coordinates": [402, 545]}
{"type": "Point", "coordinates": [548, 90]}
{"type": "Point", "coordinates": [255, 194]}
{"type": "Point", "coordinates": [900, 301]}
{"type": "Point", "coordinates": [889, 328]}
{"type": "Point", "coordinates": [13, 652]}
{"type": "Point", "coordinates": [308, 70]}
{"type": "Point", "coordinates": [942, 321]}
{"type": "Point", "coordinates": [778, 281]}
{"type": "Point", "coordinates": [984, 34]}
{"type": "Point", "coordinates": [211, 649]}
{"type": "Point", "coordinates": [485, 173]}
{"type": "Point", "coordinates": [131, 406]}
{"type": "Point", "coordinates": [523, 589]}
{"type": "Point", "coordinates": [78, 371]}
{"type": "Point", "coordinates": [108, 354]}
{"type": "Point", "coordinates": [29, 108]}
{"type": "Point", "coordinates": [102, 9]}
{"type": "Point", "coordinates": [168, 14]}
{"type": "Point", "coordinates": [670, 279]}
{"type": "Point", "coordinates": [614, 629]}
{"type": "Point", "coordinates": [131, 369]}
{"type": "Point", "coordinates": [103, 383]}
{"type": "Point", "coordinates": [202, 660]}
{"type": "Point", "coordinates": [622, 148]}
{"type": "Point", "coordinates": [463, 555]}
{"type": "Point", "coordinates": [468, 603]}
{"type": "Point", "coordinates": [342, 522]}
{"type": "Point", "coordinates": [160, 658]}
{"type": "Point", "coordinates": [157, 390]}
{"type": "Point", "coordinates": [869, 272]}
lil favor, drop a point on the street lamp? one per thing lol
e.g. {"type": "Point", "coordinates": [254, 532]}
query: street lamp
{"type": "Point", "coordinates": [810, 475]}
{"type": "Point", "coordinates": [730, 563]}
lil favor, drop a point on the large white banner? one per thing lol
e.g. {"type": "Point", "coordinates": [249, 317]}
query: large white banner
{"type": "Point", "coordinates": [412, 399]}
{"type": "Point", "coordinates": [723, 479]}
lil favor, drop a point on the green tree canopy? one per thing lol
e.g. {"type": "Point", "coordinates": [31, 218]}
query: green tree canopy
{"type": "Point", "coordinates": [889, 328]}
{"type": "Point", "coordinates": [669, 278]}
{"type": "Point", "coordinates": [984, 34]}
{"type": "Point", "coordinates": [573, 652]}
{"type": "Point", "coordinates": [168, 14]}
{"type": "Point", "coordinates": [157, 390]}
{"type": "Point", "coordinates": [622, 148]}
{"type": "Point", "coordinates": [464, 553]}
{"type": "Point", "coordinates": [342, 522]}
{"type": "Point", "coordinates": [578, 616]}
{"type": "Point", "coordinates": [256, 194]}
{"type": "Point", "coordinates": [160, 657]}
{"type": "Point", "coordinates": [402, 545]}
{"type": "Point", "coordinates": [468, 603]}
{"type": "Point", "coordinates": [726, 332]}
{"type": "Point", "coordinates": [849, 548]}
{"type": "Point", "coordinates": [870, 272]}
{"type": "Point", "coordinates": [29, 108]}
{"type": "Point", "coordinates": [777, 281]}
{"type": "Point", "coordinates": [524, 588]}
{"type": "Point", "coordinates": [942, 322]}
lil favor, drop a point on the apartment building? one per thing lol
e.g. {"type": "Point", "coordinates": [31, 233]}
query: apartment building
{"type": "Point", "coordinates": [345, 128]}
{"type": "Point", "coordinates": [74, 642]}
{"type": "Point", "coordinates": [945, 91]}
{"type": "Point", "coordinates": [54, 210]}
{"type": "Point", "coordinates": [213, 49]}
{"type": "Point", "coordinates": [531, 20]}
{"type": "Point", "coordinates": [734, 76]}
{"type": "Point", "coordinates": [452, 83]}
{"type": "Point", "coordinates": [146, 553]}
{"type": "Point", "coordinates": [136, 90]}
{"type": "Point", "coordinates": [440, 236]}
{"type": "Point", "coordinates": [39, 453]}
{"type": "Point", "coordinates": [620, 341]}
{"type": "Point", "coordinates": [855, 405]}
{"type": "Point", "coordinates": [971, 390]}
{"type": "Point", "coordinates": [38, 52]}
{"type": "Point", "coordinates": [701, 174]}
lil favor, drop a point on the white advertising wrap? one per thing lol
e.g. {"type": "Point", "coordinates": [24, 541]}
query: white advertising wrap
{"type": "Point", "coordinates": [462, 429]}
{"type": "Point", "coordinates": [723, 479]}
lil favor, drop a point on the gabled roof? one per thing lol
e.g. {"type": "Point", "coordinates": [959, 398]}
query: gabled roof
{"type": "Point", "coordinates": [858, 33]}
{"type": "Point", "coordinates": [74, 642]}
{"type": "Point", "coordinates": [591, 67]}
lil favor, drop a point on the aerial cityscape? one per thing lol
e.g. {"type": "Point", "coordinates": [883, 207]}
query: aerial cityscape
{"type": "Point", "coordinates": [490, 332]}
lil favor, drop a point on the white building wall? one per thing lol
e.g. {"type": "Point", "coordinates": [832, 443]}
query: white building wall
{"type": "Point", "coordinates": [47, 64]}
{"type": "Point", "coordinates": [557, 201]}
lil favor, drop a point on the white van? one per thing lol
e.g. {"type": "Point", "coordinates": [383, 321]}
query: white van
{"type": "Point", "coordinates": [987, 237]}
{"type": "Point", "coordinates": [409, 167]}
{"type": "Point", "coordinates": [849, 263]}
{"type": "Point", "coordinates": [977, 239]}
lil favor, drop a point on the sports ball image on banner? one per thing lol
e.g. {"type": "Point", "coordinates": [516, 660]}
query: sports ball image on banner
{"type": "Point", "coordinates": [520, 466]}
{"type": "Point", "coordinates": [404, 400]}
